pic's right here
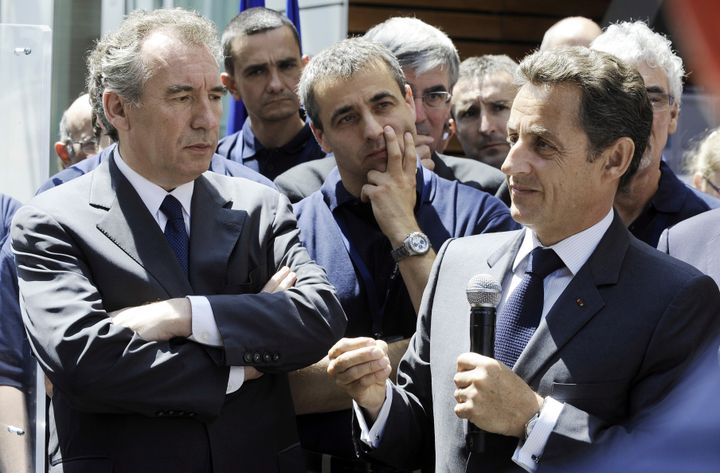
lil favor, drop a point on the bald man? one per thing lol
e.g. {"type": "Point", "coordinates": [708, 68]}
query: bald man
{"type": "Point", "coordinates": [77, 140]}
{"type": "Point", "coordinates": [571, 31]}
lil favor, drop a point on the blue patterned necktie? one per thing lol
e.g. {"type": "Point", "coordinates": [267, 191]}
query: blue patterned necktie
{"type": "Point", "coordinates": [521, 314]}
{"type": "Point", "coordinates": [175, 232]}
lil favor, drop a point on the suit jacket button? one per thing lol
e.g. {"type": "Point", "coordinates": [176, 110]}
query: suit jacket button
{"type": "Point", "coordinates": [267, 358]}
{"type": "Point", "coordinates": [160, 413]}
{"type": "Point", "coordinates": [248, 357]}
{"type": "Point", "coordinates": [257, 357]}
{"type": "Point", "coordinates": [276, 357]}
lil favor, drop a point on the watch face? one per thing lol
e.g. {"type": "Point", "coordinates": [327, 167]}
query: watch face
{"type": "Point", "coordinates": [418, 244]}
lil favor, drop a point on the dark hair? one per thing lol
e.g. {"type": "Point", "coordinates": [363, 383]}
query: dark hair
{"type": "Point", "coordinates": [249, 22]}
{"type": "Point", "coordinates": [613, 99]}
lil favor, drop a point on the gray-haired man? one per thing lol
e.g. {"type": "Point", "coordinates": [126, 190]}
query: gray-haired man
{"type": "Point", "coordinates": [142, 279]}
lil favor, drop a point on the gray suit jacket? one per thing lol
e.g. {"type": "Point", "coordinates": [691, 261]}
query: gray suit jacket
{"type": "Point", "coordinates": [613, 344]}
{"type": "Point", "coordinates": [696, 241]}
{"type": "Point", "coordinates": [121, 403]}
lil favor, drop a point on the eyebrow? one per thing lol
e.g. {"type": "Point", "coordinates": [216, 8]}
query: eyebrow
{"type": "Point", "coordinates": [535, 130]}
{"type": "Point", "coordinates": [284, 60]}
{"type": "Point", "coordinates": [348, 108]}
{"type": "Point", "coordinates": [655, 89]}
{"type": "Point", "coordinates": [179, 88]}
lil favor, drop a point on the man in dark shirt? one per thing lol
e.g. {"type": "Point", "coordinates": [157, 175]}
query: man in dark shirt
{"type": "Point", "coordinates": [655, 199]}
{"type": "Point", "coordinates": [376, 222]}
{"type": "Point", "coordinates": [263, 63]}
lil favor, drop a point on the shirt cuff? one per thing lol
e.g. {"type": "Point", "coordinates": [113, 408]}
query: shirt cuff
{"type": "Point", "coordinates": [371, 437]}
{"type": "Point", "coordinates": [204, 327]}
{"type": "Point", "coordinates": [236, 379]}
{"type": "Point", "coordinates": [528, 454]}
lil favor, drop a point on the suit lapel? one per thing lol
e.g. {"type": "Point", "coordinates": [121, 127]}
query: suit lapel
{"type": "Point", "coordinates": [215, 230]}
{"type": "Point", "coordinates": [129, 225]}
{"type": "Point", "coordinates": [578, 303]}
{"type": "Point", "coordinates": [500, 261]}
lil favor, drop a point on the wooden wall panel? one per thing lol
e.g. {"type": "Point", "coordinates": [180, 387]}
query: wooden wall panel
{"type": "Point", "coordinates": [512, 27]}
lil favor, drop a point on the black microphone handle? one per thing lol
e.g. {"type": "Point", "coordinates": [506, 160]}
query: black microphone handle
{"type": "Point", "coordinates": [482, 341]}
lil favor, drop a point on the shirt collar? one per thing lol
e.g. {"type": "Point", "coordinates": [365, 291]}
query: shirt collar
{"type": "Point", "coordinates": [574, 251]}
{"type": "Point", "coordinates": [670, 194]}
{"type": "Point", "coordinates": [150, 193]}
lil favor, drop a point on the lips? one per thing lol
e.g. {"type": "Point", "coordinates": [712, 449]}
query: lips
{"type": "Point", "coordinates": [200, 146]}
{"type": "Point", "coordinates": [379, 154]}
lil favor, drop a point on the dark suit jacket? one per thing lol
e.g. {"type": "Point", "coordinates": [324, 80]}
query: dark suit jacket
{"type": "Point", "coordinates": [124, 404]}
{"type": "Point", "coordinates": [613, 345]}
{"type": "Point", "coordinates": [697, 242]}
{"type": "Point", "coordinates": [304, 179]}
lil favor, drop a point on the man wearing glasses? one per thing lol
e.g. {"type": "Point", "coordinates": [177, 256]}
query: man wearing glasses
{"type": "Point", "coordinates": [655, 199]}
{"type": "Point", "coordinates": [430, 63]}
{"type": "Point", "coordinates": [77, 140]}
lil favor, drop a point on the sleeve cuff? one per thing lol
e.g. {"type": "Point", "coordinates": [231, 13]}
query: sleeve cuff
{"type": "Point", "coordinates": [527, 455]}
{"type": "Point", "coordinates": [371, 437]}
{"type": "Point", "coordinates": [236, 379]}
{"type": "Point", "coordinates": [204, 327]}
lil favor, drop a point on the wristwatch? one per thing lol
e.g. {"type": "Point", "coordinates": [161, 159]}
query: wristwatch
{"type": "Point", "coordinates": [416, 243]}
{"type": "Point", "coordinates": [531, 424]}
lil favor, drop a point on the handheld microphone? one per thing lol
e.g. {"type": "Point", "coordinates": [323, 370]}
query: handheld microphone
{"type": "Point", "coordinates": [483, 294]}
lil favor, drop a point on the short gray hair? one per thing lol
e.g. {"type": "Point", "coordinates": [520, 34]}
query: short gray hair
{"type": "Point", "coordinates": [116, 64]}
{"type": "Point", "coordinates": [480, 66]}
{"type": "Point", "coordinates": [342, 61]}
{"type": "Point", "coordinates": [613, 100]}
{"type": "Point", "coordinates": [635, 43]}
{"type": "Point", "coordinates": [417, 46]}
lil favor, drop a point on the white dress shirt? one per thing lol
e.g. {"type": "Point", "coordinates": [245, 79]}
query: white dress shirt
{"type": "Point", "coordinates": [574, 252]}
{"type": "Point", "coordinates": [204, 327]}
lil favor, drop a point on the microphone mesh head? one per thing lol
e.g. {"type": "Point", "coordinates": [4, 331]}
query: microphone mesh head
{"type": "Point", "coordinates": [483, 290]}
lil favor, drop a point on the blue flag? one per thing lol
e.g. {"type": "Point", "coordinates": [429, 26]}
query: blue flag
{"type": "Point", "coordinates": [237, 113]}
{"type": "Point", "coordinates": [292, 11]}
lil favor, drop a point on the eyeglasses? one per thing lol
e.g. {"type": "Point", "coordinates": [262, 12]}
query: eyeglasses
{"type": "Point", "coordinates": [660, 101]}
{"type": "Point", "coordinates": [435, 99]}
{"type": "Point", "coordinates": [712, 184]}
{"type": "Point", "coordinates": [87, 146]}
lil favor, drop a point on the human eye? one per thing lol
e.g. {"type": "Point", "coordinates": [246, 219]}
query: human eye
{"type": "Point", "coordinates": [512, 138]}
{"type": "Point", "coordinates": [185, 98]}
{"type": "Point", "coordinates": [254, 71]}
{"type": "Point", "coordinates": [346, 119]}
{"type": "Point", "coordinates": [287, 65]}
{"type": "Point", "coordinates": [435, 98]}
{"type": "Point", "coordinates": [468, 113]}
{"type": "Point", "coordinates": [498, 107]}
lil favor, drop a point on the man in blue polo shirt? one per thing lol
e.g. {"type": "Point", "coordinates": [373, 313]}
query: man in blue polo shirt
{"type": "Point", "coordinates": [376, 222]}
{"type": "Point", "coordinates": [262, 68]}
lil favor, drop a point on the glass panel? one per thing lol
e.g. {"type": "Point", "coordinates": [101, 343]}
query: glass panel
{"type": "Point", "coordinates": [25, 67]}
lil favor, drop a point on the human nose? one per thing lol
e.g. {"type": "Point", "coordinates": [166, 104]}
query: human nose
{"type": "Point", "coordinates": [420, 112]}
{"type": "Point", "coordinates": [206, 114]}
{"type": "Point", "coordinates": [275, 84]}
{"type": "Point", "coordinates": [373, 128]}
{"type": "Point", "coordinates": [486, 123]}
{"type": "Point", "coordinates": [517, 160]}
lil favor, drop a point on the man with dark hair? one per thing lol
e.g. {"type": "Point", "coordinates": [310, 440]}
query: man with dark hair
{"type": "Point", "coordinates": [377, 220]}
{"type": "Point", "coordinates": [430, 64]}
{"type": "Point", "coordinates": [593, 328]}
{"type": "Point", "coordinates": [156, 294]}
{"type": "Point", "coordinates": [263, 63]}
{"type": "Point", "coordinates": [481, 106]}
